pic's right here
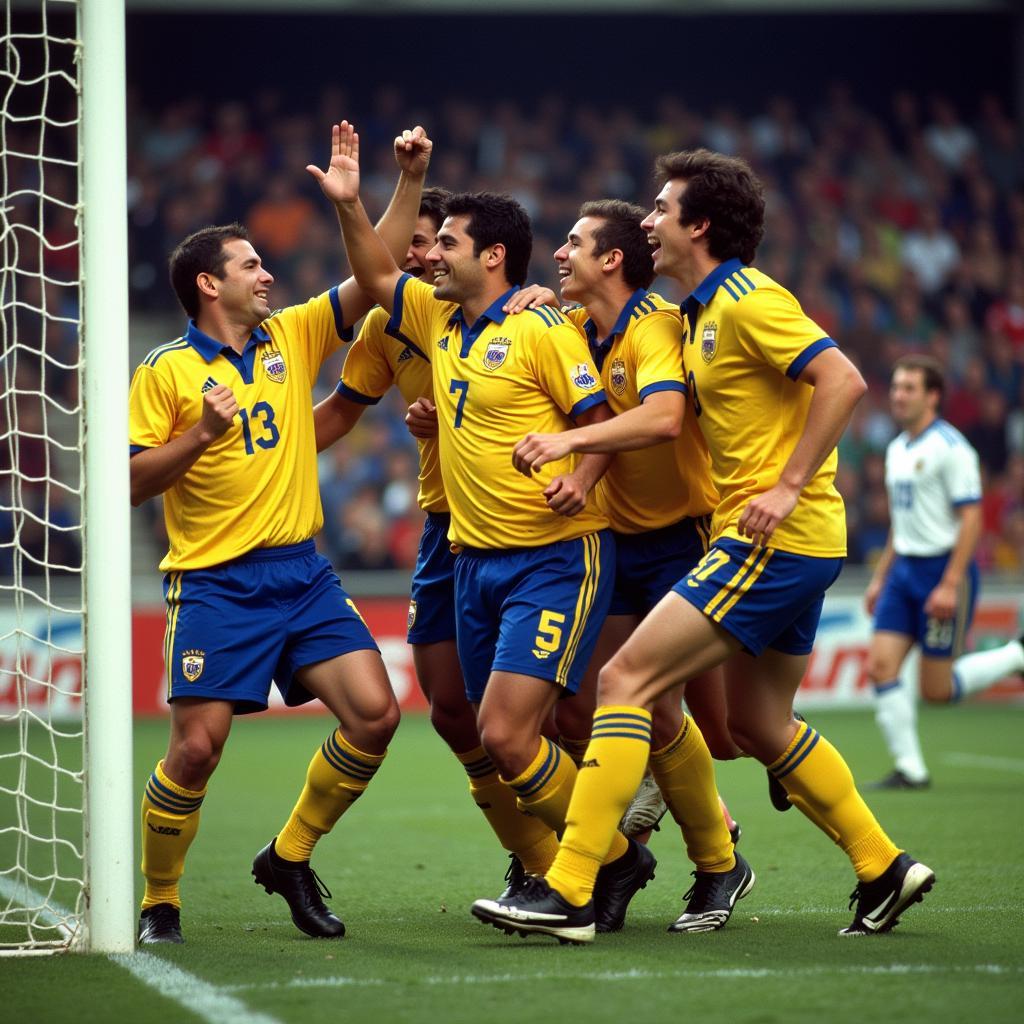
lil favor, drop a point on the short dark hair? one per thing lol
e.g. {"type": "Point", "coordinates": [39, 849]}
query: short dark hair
{"type": "Point", "coordinates": [931, 369]}
{"type": "Point", "coordinates": [724, 191]}
{"type": "Point", "coordinates": [201, 253]}
{"type": "Point", "coordinates": [432, 204]}
{"type": "Point", "coordinates": [496, 218]}
{"type": "Point", "coordinates": [621, 230]}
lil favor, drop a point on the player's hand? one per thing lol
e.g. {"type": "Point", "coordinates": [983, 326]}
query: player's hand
{"type": "Point", "coordinates": [340, 182]}
{"type": "Point", "coordinates": [941, 603]}
{"type": "Point", "coordinates": [421, 419]}
{"type": "Point", "coordinates": [871, 596]}
{"type": "Point", "coordinates": [412, 151]}
{"type": "Point", "coordinates": [537, 450]}
{"type": "Point", "coordinates": [530, 297]}
{"type": "Point", "coordinates": [566, 495]}
{"type": "Point", "coordinates": [764, 513]}
{"type": "Point", "coordinates": [219, 409]}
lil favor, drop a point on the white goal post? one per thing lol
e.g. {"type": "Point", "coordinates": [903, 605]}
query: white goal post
{"type": "Point", "coordinates": [66, 799]}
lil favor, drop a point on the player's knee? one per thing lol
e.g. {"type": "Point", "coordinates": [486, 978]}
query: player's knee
{"type": "Point", "coordinates": [505, 746]}
{"type": "Point", "coordinates": [454, 723]}
{"type": "Point", "coordinates": [722, 746]}
{"type": "Point", "coordinates": [378, 723]}
{"type": "Point", "coordinates": [193, 758]}
{"type": "Point", "coordinates": [881, 669]}
{"type": "Point", "coordinates": [616, 685]}
{"type": "Point", "coordinates": [753, 739]}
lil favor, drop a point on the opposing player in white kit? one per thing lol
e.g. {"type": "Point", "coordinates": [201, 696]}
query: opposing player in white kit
{"type": "Point", "coordinates": [925, 585]}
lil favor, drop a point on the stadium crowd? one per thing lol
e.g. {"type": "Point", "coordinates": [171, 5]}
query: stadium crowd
{"type": "Point", "coordinates": [900, 230]}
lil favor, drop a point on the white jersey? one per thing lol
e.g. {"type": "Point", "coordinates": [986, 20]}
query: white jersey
{"type": "Point", "coordinates": [927, 478]}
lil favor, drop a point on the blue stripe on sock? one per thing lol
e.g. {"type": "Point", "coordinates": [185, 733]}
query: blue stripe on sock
{"type": "Point", "coordinates": [881, 688]}
{"type": "Point", "coordinates": [796, 764]}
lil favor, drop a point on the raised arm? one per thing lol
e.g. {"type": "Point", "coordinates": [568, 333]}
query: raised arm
{"type": "Point", "coordinates": [375, 268]}
{"type": "Point", "coordinates": [838, 387]}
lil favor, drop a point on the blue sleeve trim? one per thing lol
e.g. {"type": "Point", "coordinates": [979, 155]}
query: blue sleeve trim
{"type": "Point", "coordinates": [343, 332]}
{"type": "Point", "coordinates": [355, 396]}
{"type": "Point", "coordinates": [588, 403]}
{"type": "Point", "coordinates": [686, 390]}
{"type": "Point", "coordinates": [662, 385]}
{"type": "Point", "coordinates": [815, 348]}
{"type": "Point", "coordinates": [966, 501]}
{"type": "Point", "coordinates": [134, 449]}
{"type": "Point", "coordinates": [393, 328]}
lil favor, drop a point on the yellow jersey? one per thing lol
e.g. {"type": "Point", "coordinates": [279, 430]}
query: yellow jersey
{"type": "Point", "coordinates": [746, 342]}
{"type": "Point", "coordinates": [495, 381]}
{"type": "Point", "coordinates": [657, 486]}
{"type": "Point", "coordinates": [256, 485]}
{"type": "Point", "coordinates": [372, 364]}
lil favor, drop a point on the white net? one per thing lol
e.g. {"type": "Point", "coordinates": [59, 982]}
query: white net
{"type": "Point", "coordinates": [41, 738]}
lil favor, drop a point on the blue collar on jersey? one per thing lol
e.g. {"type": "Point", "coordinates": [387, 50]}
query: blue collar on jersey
{"type": "Point", "coordinates": [209, 348]}
{"type": "Point", "coordinates": [493, 314]}
{"type": "Point", "coordinates": [704, 292]}
{"type": "Point", "coordinates": [600, 349]}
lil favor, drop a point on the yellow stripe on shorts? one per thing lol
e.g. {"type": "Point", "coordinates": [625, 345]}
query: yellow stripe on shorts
{"type": "Point", "coordinates": [737, 577]}
{"type": "Point", "coordinates": [744, 586]}
{"type": "Point", "coordinates": [584, 603]}
{"type": "Point", "coordinates": [173, 606]}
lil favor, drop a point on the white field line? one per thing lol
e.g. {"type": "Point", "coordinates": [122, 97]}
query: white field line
{"type": "Point", "coordinates": [637, 974]}
{"type": "Point", "coordinates": [24, 894]}
{"type": "Point", "coordinates": [208, 1002]}
{"type": "Point", "coordinates": [1001, 764]}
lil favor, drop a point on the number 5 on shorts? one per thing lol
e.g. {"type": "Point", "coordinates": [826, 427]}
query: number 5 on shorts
{"type": "Point", "coordinates": [549, 631]}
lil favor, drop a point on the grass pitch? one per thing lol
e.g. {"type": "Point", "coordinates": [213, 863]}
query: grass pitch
{"type": "Point", "coordinates": [406, 862]}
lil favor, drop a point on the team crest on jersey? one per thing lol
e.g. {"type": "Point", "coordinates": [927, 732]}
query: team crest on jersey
{"type": "Point", "coordinates": [709, 341]}
{"type": "Point", "coordinates": [411, 620]}
{"type": "Point", "coordinates": [273, 363]}
{"type": "Point", "coordinates": [618, 376]}
{"type": "Point", "coordinates": [443, 344]}
{"type": "Point", "coordinates": [192, 664]}
{"type": "Point", "coordinates": [583, 378]}
{"type": "Point", "coordinates": [919, 466]}
{"type": "Point", "coordinates": [497, 351]}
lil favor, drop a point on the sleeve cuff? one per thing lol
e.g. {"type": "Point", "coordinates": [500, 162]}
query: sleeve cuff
{"type": "Point", "coordinates": [588, 403]}
{"type": "Point", "coordinates": [815, 348]}
{"type": "Point", "coordinates": [960, 502]}
{"type": "Point", "coordinates": [355, 396]}
{"type": "Point", "coordinates": [662, 385]}
{"type": "Point", "coordinates": [134, 449]}
{"type": "Point", "coordinates": [393, 328]}
{"type": "Point", "coordinates": [343, 332]}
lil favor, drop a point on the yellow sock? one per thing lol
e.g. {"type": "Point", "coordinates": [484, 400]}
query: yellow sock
{"type": "Point", "coordinates": [529, 838]}
{"type": "Point", "coordinates": [545, 788]}
{"type": "Point", "coordinates": [170, 820]}
{"type": "Point", "coordinates": [611, 771]}
{"type": "Point", "coordinates": [819, 782]}
{"type": "Point", "coordinates": [685, 774]}
{"type": "Point", "coordinates": [337, 776]}
{"type": "Point", "coordinates": [576, 749]}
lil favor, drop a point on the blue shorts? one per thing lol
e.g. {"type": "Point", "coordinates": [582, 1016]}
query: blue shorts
{"type": "Point", "coordinates": [648, 564]}
{"type": "Point", "coordinates": [234, 628]}
{"type": "Point", "coordinates": [533, 611]}
{"type": "Point", "coordinates": [900, 607]}
{"type": "Point", "coordinates": [432, 598]}
{"type": "Point", "coordinates": [764, 597]}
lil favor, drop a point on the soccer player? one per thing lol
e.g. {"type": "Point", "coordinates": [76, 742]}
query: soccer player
{"type": "Point", "coordinates": [373, 364]}
{"type": "Point", "coordinates": [535, 557]}
{"type": "Point", "coordinates": [924, 586]}
{"type": "Point", "coordinates": [658, 497]}
{"type": "Point", "coordinates": [222, 426]}
{"type": "Point", "coordinates": [772, 395]}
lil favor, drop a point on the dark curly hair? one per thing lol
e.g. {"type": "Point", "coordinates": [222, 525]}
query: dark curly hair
{"type": "Point", "coordinates": [724, 191]}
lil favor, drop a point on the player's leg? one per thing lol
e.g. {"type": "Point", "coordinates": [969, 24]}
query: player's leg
{"type": "Point", "coordinates": [329, 654]}
{"type": "Point", "coordinates": [171, 806]}
{"type": "Point", "coordinates": [896, 708]}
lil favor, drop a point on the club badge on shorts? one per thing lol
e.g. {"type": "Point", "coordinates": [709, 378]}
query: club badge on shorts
{"type": "Point", "coordinates": [192, 664]}
{"type": "Point", "coordinates": [411, 620]}
{"type": "Point", "coordinates": [273, 363]}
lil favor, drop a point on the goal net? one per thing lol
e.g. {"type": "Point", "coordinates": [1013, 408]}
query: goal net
{"type": "Point", "coordinates": [46, 830]}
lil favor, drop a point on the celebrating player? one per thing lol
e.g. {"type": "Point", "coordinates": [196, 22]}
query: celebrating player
{"type": "Point", "coordinates": [222, 426]}
{"type": "Point", "coordinates": [925, 584]}
{"type": "Point", "coordinates": [772, 395]}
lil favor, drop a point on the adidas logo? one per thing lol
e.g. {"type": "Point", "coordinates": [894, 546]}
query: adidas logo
{"type": "Point", "coordinates": [164, 830]}
{"type": "Point", "coordinates": [443, 344]}
{"type": "Point", "coordinates": [208, 385]}
{"type": "Point", "coordinates": [592, 763]}
{"type": "Point", "coordinates": [406, 354]}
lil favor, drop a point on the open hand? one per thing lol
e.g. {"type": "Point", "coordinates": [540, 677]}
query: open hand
{"type": "Point", "coordinates": [340, 182]}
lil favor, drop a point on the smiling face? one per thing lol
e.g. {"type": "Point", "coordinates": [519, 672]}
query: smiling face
{"type": "Point", "coordinates": [458, 275]}
{"type": "Point", "coordinates": [911, 403]}
{"type": "Point", "coordinates": [243, 289]}
{"type": "Point", "coordinates": [672, 243]}
{"type": "Point", "coordinates": [579, 264]}
{"type": "Point", "coordinates": [423, 240]}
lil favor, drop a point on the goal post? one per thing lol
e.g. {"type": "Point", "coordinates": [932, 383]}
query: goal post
{"type": "Point", "coordinates": [107, 620]}
{"type": "Point", "coordinates": [66, 803]}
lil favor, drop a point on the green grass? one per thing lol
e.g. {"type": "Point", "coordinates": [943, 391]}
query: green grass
{"type": "Point", "coordinates": [411, 856]}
